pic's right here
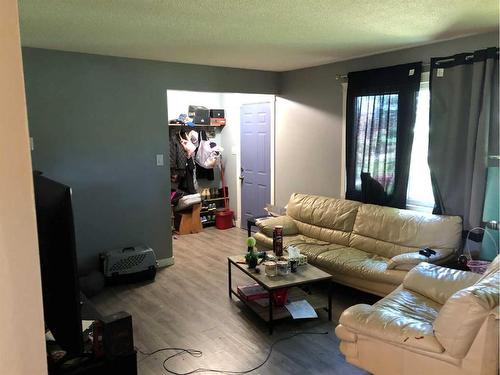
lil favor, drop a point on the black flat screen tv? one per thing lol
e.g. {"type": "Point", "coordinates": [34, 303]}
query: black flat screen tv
{"type": "Point", "coordinates": [58, 263]}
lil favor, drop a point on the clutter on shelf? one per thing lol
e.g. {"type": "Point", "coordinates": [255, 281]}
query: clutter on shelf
{"type": "Point", "coordinates": [194, 155]}
{"type": "Point", "coordinates": [200, 116]}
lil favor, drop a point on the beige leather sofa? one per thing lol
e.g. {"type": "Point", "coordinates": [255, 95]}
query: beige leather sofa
{"type": "Point", "coordinates": [438, 322]}
{"type": "Point", "coordinates": [364, 246]}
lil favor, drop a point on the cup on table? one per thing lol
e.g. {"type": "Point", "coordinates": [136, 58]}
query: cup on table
{"type": "Point", "coordinates": [270, 268]}
{"type": "Point", "coordinates": [282, 267]}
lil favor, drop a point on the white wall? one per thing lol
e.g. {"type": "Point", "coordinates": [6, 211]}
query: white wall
{"type": "Point", "coordinates": [308, 144]}
{"type": "Point", "coordinates": [178, 101]}
{"type": "Point", "coordinates": [22, 344]}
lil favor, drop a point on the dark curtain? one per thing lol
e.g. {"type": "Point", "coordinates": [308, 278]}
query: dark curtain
{"type": "Point", "coordinates": [463, 131]}
{"type": "Point", "coordinates": [380, 115]}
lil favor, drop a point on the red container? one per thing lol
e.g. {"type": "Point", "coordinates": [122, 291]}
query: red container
{"type": "Point", "coordinates": [280, 296]}
{"type": "Point", "coordinates": [224, 218]}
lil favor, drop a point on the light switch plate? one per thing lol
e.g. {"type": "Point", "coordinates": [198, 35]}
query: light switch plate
{"type": "Point", "coordinates": [32, 144]}
{"type": "Point", "coordinates": [159, 160]}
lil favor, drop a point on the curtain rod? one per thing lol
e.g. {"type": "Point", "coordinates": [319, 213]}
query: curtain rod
{"type": "Point", "coordinates": [425, 68]}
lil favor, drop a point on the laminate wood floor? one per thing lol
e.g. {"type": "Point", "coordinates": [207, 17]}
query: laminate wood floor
{"type": "Point", "coordinates": [188, 306]}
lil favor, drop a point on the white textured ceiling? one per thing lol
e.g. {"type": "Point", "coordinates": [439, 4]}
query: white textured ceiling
{"type": "Point", "coordinates": [258, 34]}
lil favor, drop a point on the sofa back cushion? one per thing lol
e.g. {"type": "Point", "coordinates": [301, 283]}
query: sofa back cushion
{"type": "Point", "coordinates": [266, 225]}
{"type": "Point", "coordinates": [438, 283]}
{"type": "Point", "coordinates": [461, 317]}
{"type": "Point", "coordinates": [388, 231]}
{"type": "Point", "coordinates": [326, 219]}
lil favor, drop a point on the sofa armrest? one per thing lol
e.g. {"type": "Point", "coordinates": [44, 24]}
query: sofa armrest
{"type": "Point", "coordinates": [406, 261]}
{"type": "Point", "coordinates": [436, 282]}
{"type": "Point", "coordinates": [266, 225]}
{"type": "Point", "coordinates": [389, 325]}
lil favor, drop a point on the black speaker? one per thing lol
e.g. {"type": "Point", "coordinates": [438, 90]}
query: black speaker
{"type": "Point", "coordinates": [217, 113]}
{"type": "Point", "coordinates": [117, 335]}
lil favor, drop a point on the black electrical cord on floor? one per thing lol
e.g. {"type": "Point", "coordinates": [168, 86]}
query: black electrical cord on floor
{"type": "Point", "coordinates": [198, 353]}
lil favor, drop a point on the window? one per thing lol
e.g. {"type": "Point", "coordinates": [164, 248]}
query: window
{"type": "Point", "coordinates": [377, 120]}
{"type": "Point", "coordinates": [379, 140]}
{"type": "Point", "coordinates": [419, 193]}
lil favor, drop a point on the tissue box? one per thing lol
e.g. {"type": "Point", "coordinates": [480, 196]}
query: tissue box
{"type": "Point", "coordinates": [302, 259]}
{"type": "Point", "coordinates": [294, 253]}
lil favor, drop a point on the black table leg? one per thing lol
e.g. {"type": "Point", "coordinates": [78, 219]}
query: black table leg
{"type": "Point", "coordinates": [229, 277]}
{"type": "Point", "coordinates": [330, 288]}
{"type": "Point", "coordinates": [270, 313]}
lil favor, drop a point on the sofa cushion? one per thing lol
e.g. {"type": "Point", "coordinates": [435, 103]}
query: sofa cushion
{"type": "Point", "coordinates": [438, 283]}
{"type": "Point", "coordinates": [464, 312]}
{"type": "Point", "coordinates": [388, 231]}
{"type": "Point", "coordinates": [403, 318]}
{"type": "Point", "coordinates": [327, 219]}
{"type": "Point", "coordinates": [310, 247]}
{"type": "Point", "coordinates": [263, 241]}
{"type": "Point", "coordinates": [350, 261]}
{"type": "Point", "coordinates": [266, 225]}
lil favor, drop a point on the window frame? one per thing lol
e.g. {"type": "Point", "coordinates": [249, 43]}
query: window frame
{"type": "Point", "coordinates": [414, 205]}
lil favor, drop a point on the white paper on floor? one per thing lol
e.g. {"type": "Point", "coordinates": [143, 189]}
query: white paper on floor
{"type": "Point", "coordinates": [301, 310]}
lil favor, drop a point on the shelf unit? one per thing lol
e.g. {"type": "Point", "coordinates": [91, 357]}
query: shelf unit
{"type": "Point", "coordinates": [211, 211]}
{"type": "Point", "coordinates": [197, 125]}
{"type": "Point", "coordinates": [210, 129]}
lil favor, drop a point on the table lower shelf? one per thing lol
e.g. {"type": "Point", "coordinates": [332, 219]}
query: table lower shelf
{"type": "Point", "coordinates": [317, 300]}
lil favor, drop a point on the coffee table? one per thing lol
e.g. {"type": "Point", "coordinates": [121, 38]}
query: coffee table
{"type": "Point", "coordinates": [305, 275]}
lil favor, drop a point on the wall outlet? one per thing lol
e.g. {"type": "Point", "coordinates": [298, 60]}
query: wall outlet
{"type": "Point", "coordinates": [159, 160]}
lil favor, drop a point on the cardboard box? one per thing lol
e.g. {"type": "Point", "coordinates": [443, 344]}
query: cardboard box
{"type": "Point", "coordinates": [217, 121]}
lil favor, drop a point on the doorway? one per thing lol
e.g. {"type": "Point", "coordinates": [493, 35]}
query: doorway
{"type": "Point", "coordinates": [255, 169]}
{"type": "Point", "coordinates": [229, 138]}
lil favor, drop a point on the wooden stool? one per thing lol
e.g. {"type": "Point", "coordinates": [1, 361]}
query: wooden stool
{"type": "Point", "coordinates": [188, 221]}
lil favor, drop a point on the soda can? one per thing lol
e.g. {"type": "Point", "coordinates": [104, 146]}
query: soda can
{"type": "Point", "coordinates": [278, 240]}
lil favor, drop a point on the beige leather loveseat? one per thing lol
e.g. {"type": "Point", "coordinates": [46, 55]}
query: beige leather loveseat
{"type": "Point", "coordinates": [440, 321]}
{"type": "Point", "coordinates": [364, 246]}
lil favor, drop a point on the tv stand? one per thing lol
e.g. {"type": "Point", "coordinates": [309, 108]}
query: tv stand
{"type": "Point", "coordinates": [125, 364]}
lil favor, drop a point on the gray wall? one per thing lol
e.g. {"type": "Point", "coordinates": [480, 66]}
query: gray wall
{"type": "Point", "coordinates": [309, 116]}
{"type": "Point", "coordinates": [97, 124]}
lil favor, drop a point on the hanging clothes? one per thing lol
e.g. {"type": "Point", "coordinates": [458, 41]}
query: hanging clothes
{"type": "Point", "coordinates": [201, 172]}
{"type": "Point", "coordinates": [178, 158]}
{"type": "Point", "coordinates": [187, 183]}
{"type": "Point", "coordinates": [207, 174]}
{"type": "Point", "coordinates": [182, 167]}
{"type": "Point", "coordinates": [208, 152]}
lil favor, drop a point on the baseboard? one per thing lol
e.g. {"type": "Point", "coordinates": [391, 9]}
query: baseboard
{"type": "Point", "coordinates": [165, 262]}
